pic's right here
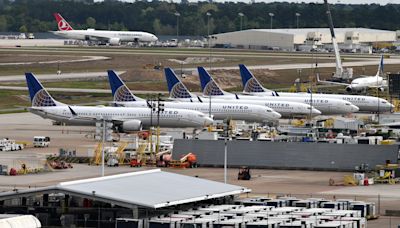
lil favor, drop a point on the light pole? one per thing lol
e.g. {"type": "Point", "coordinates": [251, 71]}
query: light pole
{"type": "Point", "coordinates": [177, 14]}
{"type": "Point", "coordinates": [103, 147]}
{"type": "Point", "coordinates": [208, 34]}
{"type": "Point", "coordinates": [297, 19]}
{"type": "Point", "coordinates": [271, 15]}
{"type": "Point", "coordinates": [241, 19]}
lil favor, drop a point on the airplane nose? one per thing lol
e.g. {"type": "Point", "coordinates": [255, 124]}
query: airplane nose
{"type": "Point", "coordinates": [276, 115]}
{"type": "Point", "coordinates": [208, 121]}
{"type": "Point", "coordinates": [316, 112]}
{"type": "Point", "coordinates": [354, 108]}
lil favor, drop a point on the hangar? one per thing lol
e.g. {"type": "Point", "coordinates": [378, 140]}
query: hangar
{"type": "Point", "coordinates": [98, 202]}
{"type": "Point", "coordinates": [295, 39]}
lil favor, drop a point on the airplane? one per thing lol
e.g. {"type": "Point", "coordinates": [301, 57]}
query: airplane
{"type": "Point", "coordinates": [123, 119]}
{"type": "Point", "coordinates": [122, 96]}
{"type": "Point", "coordinates": [365, 103]}
{"type": "Point", "coordinates": [104, 36]}
{"type": "Point", "coordinates": [179, 92]}
{"type": "Point", "coordinates": [363, 82]}
{"type": "Point", "coordinates": [327, 106]}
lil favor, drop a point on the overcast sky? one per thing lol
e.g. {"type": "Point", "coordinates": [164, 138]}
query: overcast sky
{"type": "Point", "coordinates": [382, 2]}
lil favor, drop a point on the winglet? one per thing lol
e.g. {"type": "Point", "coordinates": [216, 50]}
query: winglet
{"type": "Point", "coordinates": [208, 85]}
{"type": "Point", "coordinates": [175, 86]}
{"type": "Point", "coordinates": [120, 91]}
{"type": "Point", "coordinates": [38, 94]}
{"type": "Point", "coordinates": [72, 111]}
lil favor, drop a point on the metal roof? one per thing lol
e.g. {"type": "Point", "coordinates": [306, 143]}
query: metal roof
{"type": "Point", "coordinates": [152, 188]}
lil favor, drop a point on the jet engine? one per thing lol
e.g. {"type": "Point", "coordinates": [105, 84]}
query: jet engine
{"type": "Point", "coordinates": [130, 125]}
{"type": "Point", "coordinates": [115, 41]}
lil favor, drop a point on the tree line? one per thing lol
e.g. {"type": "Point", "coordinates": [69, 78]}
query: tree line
{"type": "Point", "coordinates": [197, 19]}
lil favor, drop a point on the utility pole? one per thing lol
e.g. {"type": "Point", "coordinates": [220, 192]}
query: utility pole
{"type": "Point", "coordinates": [102, 147]}
{"type": "Point", "coordinates": [160, 108]}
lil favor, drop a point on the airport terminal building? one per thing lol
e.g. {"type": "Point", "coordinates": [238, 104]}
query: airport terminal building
{"type": "Point", "coordinates": [304, 39]}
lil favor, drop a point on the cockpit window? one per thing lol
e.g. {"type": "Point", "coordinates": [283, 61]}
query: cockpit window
{"type": "Point", "coordinates": [309, 108]}
{"type": "Point", "coordinates": [347, 103]}
{"type": "Point", "coordinates": [201, 115]}
{"type": "Point", "coordinates": [269, 110]}
{"type": "Point", "coordinates": [384, 102]}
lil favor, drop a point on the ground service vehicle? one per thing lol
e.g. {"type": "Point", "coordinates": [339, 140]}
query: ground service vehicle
{"type": "Point", "coordinates": [41, 141]}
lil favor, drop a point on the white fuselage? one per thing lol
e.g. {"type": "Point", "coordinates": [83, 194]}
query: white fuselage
{"type": "Point", "coordinates": [220, 111]}
{"type": "Point", "coordinates": [327, 106]}
{"type": "Point", "coordinates": [285, 108]}
{"type": "Point", "coordinates": [363, 83]}
{"type": "Point", "coordinates": [87, 115]}
{"type": "Point", "coordinates": [103, 35]}
{"type": "Point", "coordinates": [364, 103]}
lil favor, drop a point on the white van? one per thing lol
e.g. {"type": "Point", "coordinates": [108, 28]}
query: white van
{"type": "Point", "coordinates": [41, 141]}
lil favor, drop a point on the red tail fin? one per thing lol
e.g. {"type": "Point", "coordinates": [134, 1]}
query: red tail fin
{"type": "Point", "coordinates": [62, 23]}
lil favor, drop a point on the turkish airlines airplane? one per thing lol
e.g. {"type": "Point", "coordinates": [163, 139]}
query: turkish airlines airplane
{"type": "Point", "coordinates": [111, 37]}
{"type": "Point", "coordinates": [365, 103]}
{"type": "Point", "coordinates": [220, 111]}
{"type": "Point", "coordinates": [327, 106]}
{"type": "Point", "coordinates": [179, 92]}
{"type": "Point", "coordinates": [123, 119]}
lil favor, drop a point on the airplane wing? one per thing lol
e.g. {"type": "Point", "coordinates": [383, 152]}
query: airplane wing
{"type": "Point", "coordinates": [330, 82]}
{"type": "Point", "coordinates": [99, 38]}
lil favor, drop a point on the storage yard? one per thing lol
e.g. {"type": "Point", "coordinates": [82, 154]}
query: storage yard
{"type": "Point", "coordinates": [123, 130]}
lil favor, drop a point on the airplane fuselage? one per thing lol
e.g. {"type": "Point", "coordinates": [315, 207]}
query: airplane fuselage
{"type": "Point", "coordinates": [364, 103]}
{"type": "Point", "coordinates": [327, 106]}
{"type": "Point", "coordinates": [88, 116]}
{"type": "Point", "coordinates": [103, 35]}
{"type": "Point", "coordinates": [220, 111]}
{"type": "Point", "coordinates": [363, 83]}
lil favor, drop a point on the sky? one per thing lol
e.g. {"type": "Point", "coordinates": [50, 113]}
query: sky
{"type": "Point", "coordinates": [381, 2]}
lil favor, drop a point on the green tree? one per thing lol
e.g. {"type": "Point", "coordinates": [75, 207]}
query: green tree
{"type": "Point", "coordinates": [157, 26]}
{"type": "Point", "coordinates": [3, 23]}
{"type": "Point", "coordinates": [23, 29]}
{"type": "Point", "coordinates": [91, 22]}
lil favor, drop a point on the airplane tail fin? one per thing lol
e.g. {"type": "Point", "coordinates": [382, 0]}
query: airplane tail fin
{"type": "Point", "coordinates": [120, 91]}
{"type": "Point", "coordinates": [250, 83]}
{"type": "Point", "coordinates": [62, 24]}
{"type": "Point", "coordinates": [38, 94]}
{"type": "Point", "coordinates": [175, 86]}
{"type": "Point", "coordinates": [208, 85]}
{"type": "Point", "coordinates": [380, 67]}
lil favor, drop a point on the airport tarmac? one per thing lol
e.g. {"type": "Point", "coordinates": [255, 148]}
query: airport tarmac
{"type": "Point", "coordinates": [300, 183]}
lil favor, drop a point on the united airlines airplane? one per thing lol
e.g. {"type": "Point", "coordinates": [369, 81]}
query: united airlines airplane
{"type": "Point", "coordinates": [220, 111]}
{"type": "Point", "coordinates": [123, 119]}
{"type": "Point", "coordinates": [179, 92]}
{"type": "Point", "coordinates": [363, 82]}
{"type": "Point", "coordinates": [111, 37]}
{"type": "Point", "coordinates": [327, 106]}
{"type": "Point", "coordinates": [365, 103]}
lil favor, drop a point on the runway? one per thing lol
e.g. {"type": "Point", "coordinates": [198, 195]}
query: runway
{"type": "Point", "coordinates": [16, 78]}
{"type": "Point", "coordinates": [74, 90]}
{"type": "Point", "coordinates": [306, 65]}
{"type": "Point", "coordinates": [83, 59]}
